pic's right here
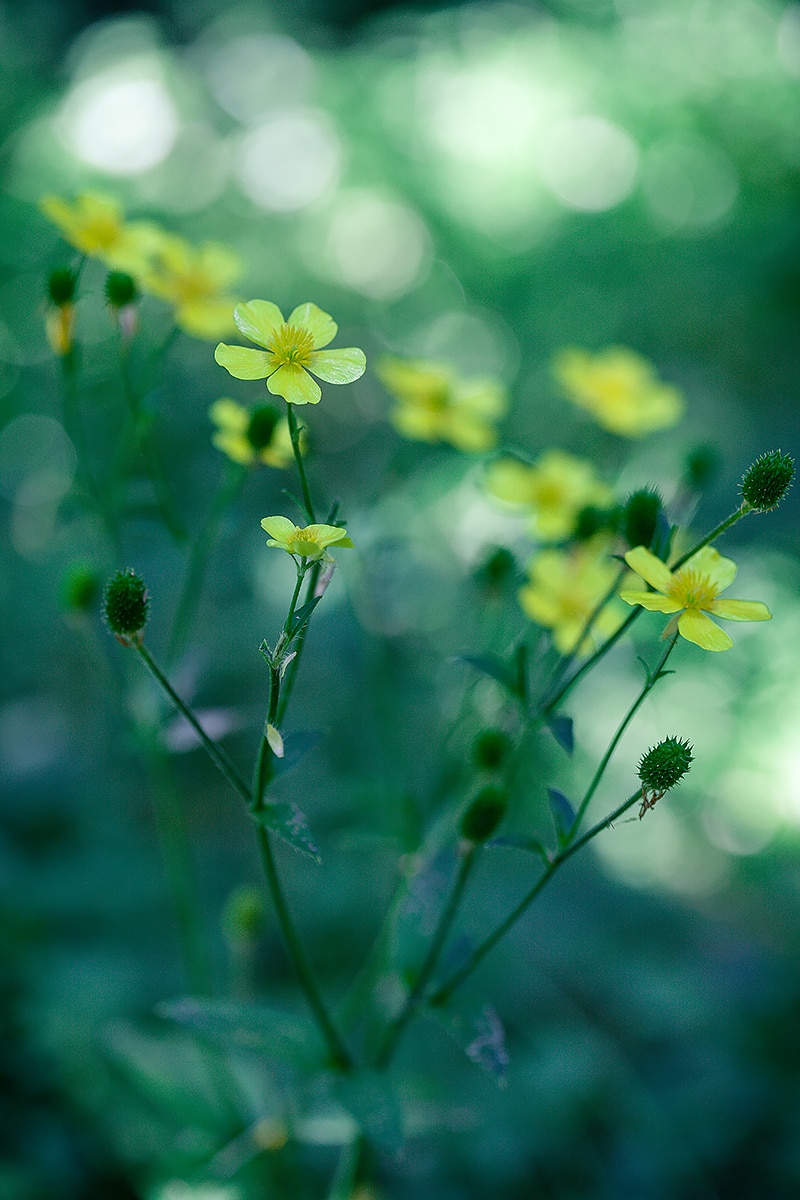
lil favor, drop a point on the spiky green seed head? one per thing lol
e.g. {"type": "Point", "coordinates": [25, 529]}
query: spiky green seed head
{"type": "Point", "coordinates": [767, 481]}
{"type": "Point", "coordinates": [61, 286]}
{"type": "Point", "coordinates": [484, 814]}
{"type": "Point", "coordinates": [121, 289]}
{"type": "Point", "coordinates": [665, 765]}
{"type": "Point", "coordinates": [640, 517]}
{"type": "Point", "coordinates": [262, 426]}
{"type": "Point", "coordinates": [125, 604]}
{"type": "Point", "coordinates": [491, 748]}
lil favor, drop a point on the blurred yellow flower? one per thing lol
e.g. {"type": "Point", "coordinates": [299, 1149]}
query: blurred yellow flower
{"type": "Point", "coordinates": [310, 542]}
{"type": "Point", "coordinates": [690, 593]}
{"type": "Point", "coordinates": [291, 349]}
{"type": "Point", "coordinates": [434, 404]}
{"type": "Point", "coordinates": [59, 325]}
{"type": "Point", "coordinates": [563, 590]}
{"type": "Point", "coordinates": [620, 389]}
{"type": "Point", "coordinates": [94, 224]}
{"type": "Point", "coordinates": [555, 488]}
{"type": "Point", "coordinates": [249, 438]}
{"type": "Point", "coordinates": [193, 279]}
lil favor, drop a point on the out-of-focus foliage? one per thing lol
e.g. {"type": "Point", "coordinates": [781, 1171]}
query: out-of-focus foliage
{"type": "Point", "coordinates": [484, 186]}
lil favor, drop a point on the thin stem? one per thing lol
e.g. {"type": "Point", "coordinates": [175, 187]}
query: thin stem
{"type": "Point", "coordinates": [448, 915]}
{"type": "Point", "coordinates": [565, 662]}
{"type": "Point", "coordinates": [742, 511]}
{"type": "Point", "coordinates": [294, 433]}
{"type": "Point", "coordinates": [443, 993]}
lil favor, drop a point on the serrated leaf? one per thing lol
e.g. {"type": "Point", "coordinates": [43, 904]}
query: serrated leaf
{"type": "Point", "coordinates": [562, 810]}
{"type": "Point", "coordinates": [563, 730]}
{"type": "Point", "coordinates": [302, 616]}
{"type": "Point", "coordinates": [257, 1027]}
{"type": "Point", "coordinates": [370, 1100]}
{"type": "Point", "coordinates": [489, 664]}
{"type": "Point", "coordinates": [531, 844]}
{"type": "Point", "coordinates": [295, 747]}
{"type": "Point", "coordinates": [478, 1030]}
{"type": "Point", "coordinates": [288, 823]}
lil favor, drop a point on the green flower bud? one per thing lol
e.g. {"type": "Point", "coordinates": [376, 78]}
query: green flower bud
{"type": "Point", "coordinates": [641, 518]}
{"type": "Point", "coordinates": [80, 588]}
{"type": "Point", "coordinates": [262, 426]}
{"type": "Point", "coordinates": [702, 467]}
{"type": "Point", "coordinates": [121, 289]}
{"type": "Point", "coordinates": [61, 286]}
{"type": "Point", "coordinates": [244, 915]}
{"type": "Point", "coordinates": [497, 569]}
{"type": "Point", "coordinates": [665, 765]}
{"type": "Point", "coordinates": [767, 481]}
{"type": "Point", "coordinates": [593, 520]}
{"type": "Point", "coordinates": [490, 748]}
{"type": "Point", "coordinates": [125, 604]}
{"type": "Point", "coordinates": [484, 814]}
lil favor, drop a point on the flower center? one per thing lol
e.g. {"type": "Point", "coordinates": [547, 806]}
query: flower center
{"type": "Point", "coordinates": [291, 344]}
{"type": "Point", "coordinates": [192, 285]}
{"type": "Point", "coordinates": [693, 589]}
{"type": "Point", "coordinates": [304, 544]}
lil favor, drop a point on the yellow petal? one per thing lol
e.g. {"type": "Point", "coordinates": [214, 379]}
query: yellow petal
{"type": "Point", "coordinates": [338, 366]}
{"type": "Point", "coordinates": [295, 385]}
{"type": "Point", "coordinates": [319, 324]}
{"type": "Point", "coordinates": [652, 601]}
{"type": "Point", "coordinates": [229, 415]}
{"type": "Point", "coordinates": [258, 320]}
{"type": "Point", "coordinates": [243, 363]}
{"type": "Point", "coordinates": [279, 527]}
{"type": "Point", "coordinates": [709, 562]}
{"type": "Point", "coordinates": [740, 610]}
{"type": "Point", "coordinates": [651, 569]}
{"type": "Point", "coordinates": [207, 319]}
{"type": "Point", "coordinates": [328, 535]}
{"type": "Point", "coordinates": [698, 628]}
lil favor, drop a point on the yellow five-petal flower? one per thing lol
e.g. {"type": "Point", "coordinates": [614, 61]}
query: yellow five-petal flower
{"type": "Point", "coordinates": [193, 279]}
{"type": "Point", "coordinates": [690, 593]}
{"type": "Point", "coordinates": [620, 389]}
{"type": "Point", "coordinates": [290, 350]}
{"type": "Point", "coordinates": [310, 542]}
{"type": "Point", "coordinates": [94, 224]}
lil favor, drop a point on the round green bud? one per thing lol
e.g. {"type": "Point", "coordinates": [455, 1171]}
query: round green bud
{"type": "Point", "coordinates": [121, 289]}
{"type": "Point", "coordinates": [262, 426]}
{"type": "Point", "coordinates": [593, 520]}
{"type": "Point", "coordinates": [244, 915]}
{"type": "Point", "coordinates": [702, 467]}
{"type": "Point", "coordinates": [665, 765]}
{"type": "Point", "coordinates": [767, 481]}
{"type": "Point", "coordinates": [61, 286]}
{"type": "Point", "coordinates": [490, 748]}
{"type": "Point", "coordinates": [125, 604]}
{"type": "Point", "coordinates": [641, 517]}
{"type": "Point", "coordinates": [80, 588]}
{"type": "Point", "coordinates": [497, 569]}
{"type": "Point", "coordinates": [484, 814]}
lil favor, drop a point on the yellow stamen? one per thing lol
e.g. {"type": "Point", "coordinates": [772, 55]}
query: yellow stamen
{"type": "Point", "coordinates": [291, 344]}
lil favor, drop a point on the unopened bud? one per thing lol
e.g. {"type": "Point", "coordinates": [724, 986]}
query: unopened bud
{"type": "Point", "coordinates": [642, 519]}
{"type": "Point", "coordinates": [121, 289]}
{"type": "Point", "coordinates": [702, 466]}
{"type": "Point", "coordinates": [61, 286]}
{"type": "Point", "coordinates": [125, 605]}
{"type": "Point", "coordinates": [490, 748]}
{"type": "Point", "coordinates": [767, 481]}
{"type": "Point", "coordinates": [80, 588]}
{"type": "Point", "coordinates": [484, 814]}
{"type": "Point", "coordinates": [262, 426]}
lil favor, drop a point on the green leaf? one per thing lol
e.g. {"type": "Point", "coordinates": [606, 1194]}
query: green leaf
{"type": "Point", "coordinates": [268, 1031]}
{"type": "Point", "coordinates": [302, 616]}
{"type": "Point", "coordinates": [506, 674]}
{"type": "Point", "coordinates": [475, 1026]}
{"type": "Point", "coordinates": [563, 730]}
{"type": "Point", "coordinates": [531, 844]}
{"type": "Point", "coordinates": [562, 810]}
{"type": "Point", "coordinates": [370, 1100]}
{"type": "Point", "coordinates": [288, 823]}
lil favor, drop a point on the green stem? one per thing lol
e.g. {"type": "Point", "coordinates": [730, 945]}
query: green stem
{"type": "Point", "coordinates": [294, 433]}
{"type": "Point", "coordinates": [415, 996]}
{"type": "Point", "coordinates": [443, 993]}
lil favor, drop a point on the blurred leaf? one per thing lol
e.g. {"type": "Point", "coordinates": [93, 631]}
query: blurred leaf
{"type": "Point", "coordinates": [531, 844]}
{"type": "Point", "coordinates": [370, 1100]}
{"type": "Point", "coordinates": [288, 823]}
{"type": "Point", "coordinates": [562, 729]}
{"type": "Point", "coordinates": [475, 1026]}
{"type": "Point", "coordinates": [507, 674]}
{"type": "Point", "coordinates": [252, 1026]}
{"type": "Point", "coordinates": [562, 810]}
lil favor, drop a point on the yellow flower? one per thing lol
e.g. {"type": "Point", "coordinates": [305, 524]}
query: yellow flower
{"type": "Point", "coordinates": [310, 542]}
{"type": "Point", "coordinates": [690, 593]}
{"type": "Point", "coordinates": [435, 405]}
{"type": "Point", "coordinates": [59, 325]}
{"type": "Point", "coordinates": [555, 488]}
{"type": "Point", "coordinates": [94, 225]}
{"type": "Point", "coordinates": [249, 438]}
{"type": "Point", "coordinates": [564, 589]}
{"type": "Point", "coordinates": [620, 389]}
{"type": "Point", "coordinates": [291, 349]}
{"type": "Point", "coordinates": [193, 279]}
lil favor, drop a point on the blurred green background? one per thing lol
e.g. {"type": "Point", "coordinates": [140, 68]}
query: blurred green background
{"type": "Point", "coordinates": [485, 184]}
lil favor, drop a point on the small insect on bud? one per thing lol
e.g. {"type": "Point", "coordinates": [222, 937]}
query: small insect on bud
{"type": "Point", "coordinates": [125, 605]}
{"type": "Point", "coordinates": [643, 521]}
{"type": "Point", "coordinates": [61, 286]}
{"type": "Point", "coordinates": [262, 426]}
{"type": "Point", "coordinates": [484, 814]}
{"type": "Point", "coordinates": [491, 748]}
{"type": "Point", "coordinates": [121, 289]}
{"type": "Point", "coordinates": [661, 768]}
{"type": "Point", "coordinates": [767, 481]}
